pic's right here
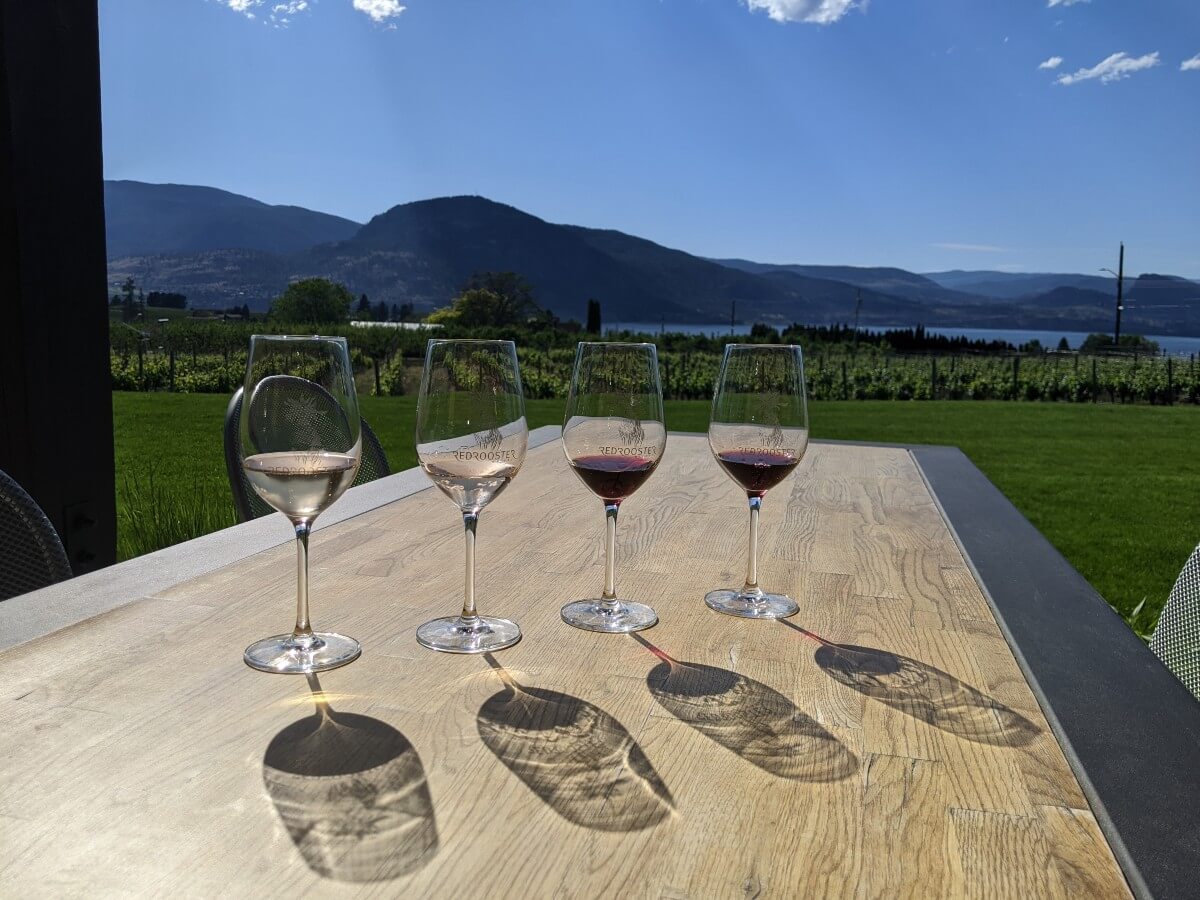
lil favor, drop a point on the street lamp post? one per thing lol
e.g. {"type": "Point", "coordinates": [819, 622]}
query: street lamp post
{"type": "Point", "coordinates": [1120, 273]}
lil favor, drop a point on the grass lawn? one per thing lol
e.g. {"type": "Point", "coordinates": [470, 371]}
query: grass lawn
{"type": "Point", "coordinates": [1110, 486]}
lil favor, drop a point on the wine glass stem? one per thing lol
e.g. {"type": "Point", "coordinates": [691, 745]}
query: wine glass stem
{"type": "Point", "coordinates": [609, 597]}
{"type": "Point", "coordinates": [470, 521]}
{"type": "Point", "coordinates": [752, 561]}
{"type": "Point", "coordinates": [303, 627]}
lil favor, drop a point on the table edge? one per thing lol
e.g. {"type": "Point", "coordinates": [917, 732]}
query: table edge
{"type": "Point", "coordinates": [1128, 727]}
{"type": "Point", "coordinates": [36, 614]}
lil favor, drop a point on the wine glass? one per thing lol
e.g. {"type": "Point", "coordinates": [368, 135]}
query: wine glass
{"type": "Point", "coordinates": [301, 443]}
{"type": "Point", "coordinates": [471, 441]}
{"type": "Point", "coordinates": [614, 437]}
{"type": "Point", "coordinates": [758, 432]}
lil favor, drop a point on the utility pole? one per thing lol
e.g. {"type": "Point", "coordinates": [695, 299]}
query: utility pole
{"type": "Point", "coordinates": [857, 308]}
{"type": "Point", "coordinates": [1120, 289]}
{"type": "Point", "coordinates": [1120, 273]}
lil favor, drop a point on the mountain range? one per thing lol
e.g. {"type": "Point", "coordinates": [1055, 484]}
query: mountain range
{"type": "Point", "coordinates": [221, 249]}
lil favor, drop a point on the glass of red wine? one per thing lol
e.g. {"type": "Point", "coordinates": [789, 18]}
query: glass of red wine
{"type": "Point", "coordinates": [758, 432]}
{"type": "Point", "coordinates": [614, 436]}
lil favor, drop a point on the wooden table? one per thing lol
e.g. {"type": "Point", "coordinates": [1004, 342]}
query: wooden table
{"type": "Point", "coordinates": [883, 742]}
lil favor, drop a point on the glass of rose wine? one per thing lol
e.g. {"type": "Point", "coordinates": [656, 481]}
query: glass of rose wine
{"type": "Point", "coordinates": [301, 443]}
{"type": "Point", "coordinates": [758, 432]}
{"type": "Point", "coordinates": [471, 441]}
{"type": "Point", "coordinates": [614, 436]}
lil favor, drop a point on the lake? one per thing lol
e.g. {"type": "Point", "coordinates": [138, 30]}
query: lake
{"type": "Point", "coordinates": [1175, 346]}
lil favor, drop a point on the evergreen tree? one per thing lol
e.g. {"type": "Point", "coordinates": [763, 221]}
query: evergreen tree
{"type": "Point", "coordinates": [381, 312]}
{"type": "Point", "coordinates": [593, 317]}
{"type": "Point", "coordinates": [363, 310]}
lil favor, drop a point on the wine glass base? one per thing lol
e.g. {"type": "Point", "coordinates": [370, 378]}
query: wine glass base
{"type": "Point", "coordinates": [285, 654]}
{"type": "Point", "coordinates": [455, 634]}
{"type": "Point", "coordinates": [591, 615]}
{"type": "Point", "coordinates": [751, 606]}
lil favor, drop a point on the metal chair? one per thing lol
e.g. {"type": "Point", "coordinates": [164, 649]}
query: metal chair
{"type": "Point", "coordinates": [31, 555]}
{"type": "Point", "coordinates": [306, 407]}
{"type": "Point", "coordinates": [1176, 638]}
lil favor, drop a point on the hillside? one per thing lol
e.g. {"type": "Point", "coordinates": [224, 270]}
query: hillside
{"type": "Point", "coordinates": [1015, 285]}
{"type": "Point", "coordinates": [149, 219]}
{"type": "Point", "coordinates": [423, 252]}
{"type": "Point", "coordinates": [883, 279]}
{"type": "Point", "coordinates": [239, 250]}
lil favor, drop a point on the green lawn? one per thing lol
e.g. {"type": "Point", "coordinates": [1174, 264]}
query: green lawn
{"type": "Point", "coordinates": [1110, 486]}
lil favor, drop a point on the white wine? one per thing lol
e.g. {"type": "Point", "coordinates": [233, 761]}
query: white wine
{"type": "Point", "coordinates": [471, 483]}
{"type": "Point", "coordinates": [302, 483]}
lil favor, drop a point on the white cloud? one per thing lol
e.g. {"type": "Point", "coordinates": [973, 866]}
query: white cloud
{"type": "Point", "coordinates": [1118, 66]}
{"type": "Point", "coordinates": [379, 10]}
{"type": "Point", "coordinates": [972, 248]}
{"type": "Point", "coordinates": [280, 11]}
{"type": "Point", "coordinates": [818, 12]}
{"type": "Point", "coordinates": [1066, 2]}
{"type": "Point", "coordinates": [1190, 65]}
{"type": "Point", "coordinates": [1052, 63]}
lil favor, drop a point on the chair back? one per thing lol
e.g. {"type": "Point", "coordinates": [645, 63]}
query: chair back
{"type": "Point", "coordinates": [1176, 638]}
{"type": "Point", "coordinates": [31, 555]}
{"type": "Point", "coordinates": [303, 408]}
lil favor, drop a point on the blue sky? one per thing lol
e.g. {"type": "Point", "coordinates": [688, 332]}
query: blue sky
{"type": "Point", "coordinates": [926, 134]}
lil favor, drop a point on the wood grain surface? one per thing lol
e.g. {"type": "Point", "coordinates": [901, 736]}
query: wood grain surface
{"type": "Point", "coordinates": [881, 743]}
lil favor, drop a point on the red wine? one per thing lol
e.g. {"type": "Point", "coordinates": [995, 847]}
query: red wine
{"type": "Point", "coordinates": [757, 470]}
{"type": "Point", "coordinates": [613, 478]}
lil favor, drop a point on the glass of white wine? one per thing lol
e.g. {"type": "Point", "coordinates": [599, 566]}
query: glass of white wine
{"type": "Point", "coordinates": [301, 443]}
{"type": "Point", "coordinates": [471, 442]}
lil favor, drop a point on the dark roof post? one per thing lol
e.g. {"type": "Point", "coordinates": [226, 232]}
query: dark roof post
{"type": "Point", "coordinates": [56, 435]}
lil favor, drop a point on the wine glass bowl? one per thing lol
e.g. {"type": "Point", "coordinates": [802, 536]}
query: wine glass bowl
{"type": "Point", "coordinates": [614, 436]}
{"type": "Point", "coordinates": [301, 444]}
{"type": "Point", "coordinates": [758, 433]}
{"type": "Point", "coordinates": [472, 437]}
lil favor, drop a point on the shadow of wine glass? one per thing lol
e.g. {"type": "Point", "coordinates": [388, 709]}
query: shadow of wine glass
{"type": "Point", "coordinates": [573, 755]}
{"type": "Point", "coordinates": [923, 692]}
{"type": "Point", "coordinates": [749, 718]}
{"type": "Point", "coordinates": [352, 793]}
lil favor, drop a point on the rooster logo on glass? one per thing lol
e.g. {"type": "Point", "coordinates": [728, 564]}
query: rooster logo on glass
{"type": "Point", "coordinates": [631, 434]}
{"type": "Point", "coordinates": [486, 449]}
{"type": "Point", "coordinates": [771, 445]}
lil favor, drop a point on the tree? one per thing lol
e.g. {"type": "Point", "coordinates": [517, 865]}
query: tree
{"type": "Point", "coordinates": [116, 300]}
{"type": "Point", "coordinates": [1063, 346]}
{"type": "Point", "coordinates": [763, 334]}
{"type": "Point", "coordinates": [315, 300]}
{"type": "Point", "coordinates": [490, 298]}
{"type": "Point", "coordinates": [166, 300]}
{"type": "Point", "coordinates": [378, 344]}
{"type": "Point", "coordinates": [246, 311]}
{"type": "Point", "coordinates": [363, 310]}
{"type": "Point", "coordinates": [515, 302]}
{"type": "Point", "coordinates": [129, 309]}
{"type": "Point", "coordinates": [593, 317]}
{"type": "Point", "coordinates": [381, 312]}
